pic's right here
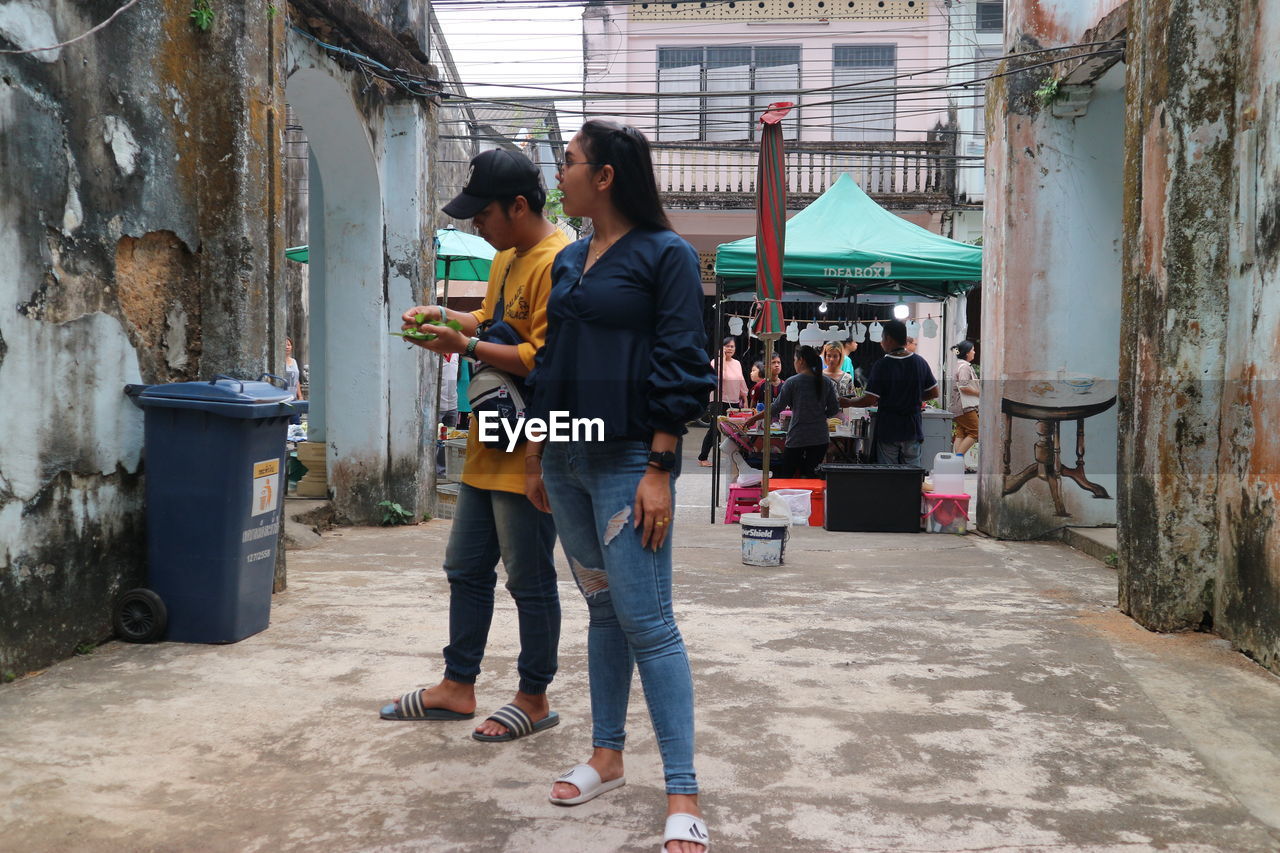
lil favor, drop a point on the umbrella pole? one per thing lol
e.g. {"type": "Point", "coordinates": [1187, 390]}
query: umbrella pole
{"type": "Point", "coordinates": [715, 421]}
{"type": "Point", "coordinates": [768, 418]}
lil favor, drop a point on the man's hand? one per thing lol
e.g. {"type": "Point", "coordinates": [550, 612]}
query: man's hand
{"type": "Point", "coordinates": [432, 312]}
{"type": "Point", "coordinates": [534, 489]}
{"type": "Point", "coordinates": [447, 340]}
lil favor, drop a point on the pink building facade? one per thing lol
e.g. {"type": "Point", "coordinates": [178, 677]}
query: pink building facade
{"type": "Point", "coordinates": [714, 66]}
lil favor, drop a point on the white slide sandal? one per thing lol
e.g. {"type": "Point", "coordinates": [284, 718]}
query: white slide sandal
{"type": "Point", "coordinates": [588, 783]}
{"type": "Point", "coordinates": [685, 827]}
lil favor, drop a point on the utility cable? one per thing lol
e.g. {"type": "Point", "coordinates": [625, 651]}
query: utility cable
{"type": "Point", "coordinates": [83, 35]}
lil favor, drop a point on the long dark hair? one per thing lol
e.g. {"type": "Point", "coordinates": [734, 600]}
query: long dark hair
{"type": "Point", "coordinates": [635, 192]}
{"type": "Point", "coordinates": [813, 361]}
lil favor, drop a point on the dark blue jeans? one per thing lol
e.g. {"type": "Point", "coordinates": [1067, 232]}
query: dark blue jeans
{"type": "Point", "coordinates": [488, 525]}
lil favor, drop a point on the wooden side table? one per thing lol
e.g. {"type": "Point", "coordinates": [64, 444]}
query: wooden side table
{"type": "Point", "coordinates": [1048, 465]}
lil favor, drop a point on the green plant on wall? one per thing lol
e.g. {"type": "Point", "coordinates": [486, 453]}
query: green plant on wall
{"type": "Point", "coordinates": [202, 15]}
{"type": "Point", "coordinates": [1050, 92]}
{"type": "Point", "coordinates": [393, 513]}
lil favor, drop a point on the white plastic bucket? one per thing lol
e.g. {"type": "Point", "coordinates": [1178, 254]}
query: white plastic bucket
{"type": "Point", "coordinates": [948, 474]}
{"type": "Point", "coordinates": [763, 539]}
{"type": "Point", "coordinates": [799, 503]}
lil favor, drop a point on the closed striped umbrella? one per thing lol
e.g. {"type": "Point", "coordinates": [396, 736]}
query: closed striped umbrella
{"type": "Point", "coordinates": [771, 220]}
{"type": "Point", "coordinates": [771, 233]}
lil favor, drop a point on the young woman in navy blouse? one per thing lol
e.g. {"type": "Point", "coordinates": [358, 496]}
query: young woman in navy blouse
{"type": "Point", "coordinates": [625, 344]}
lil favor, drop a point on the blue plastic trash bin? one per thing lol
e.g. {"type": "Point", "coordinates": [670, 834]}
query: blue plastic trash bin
{"type": "Point", "coordinates": [215, 479]}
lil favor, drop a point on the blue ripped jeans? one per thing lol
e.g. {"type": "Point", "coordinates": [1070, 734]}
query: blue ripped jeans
{"type": "Point", "coordinates": [592, 488]}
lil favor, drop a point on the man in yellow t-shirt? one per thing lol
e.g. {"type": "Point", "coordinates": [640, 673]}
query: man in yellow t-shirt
{"type": "Point", "coordinates": [493, 518]}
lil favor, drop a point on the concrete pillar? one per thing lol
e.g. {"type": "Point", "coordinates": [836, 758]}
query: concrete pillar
{"type": "Point", "coordinates": [316, 313]}
{"type": "Point", "coordinates": [1051, 306]}
{"type": "Point", "coordinates": [1199, 544]}
{"type": "Point", "coordinates": [410, 370]}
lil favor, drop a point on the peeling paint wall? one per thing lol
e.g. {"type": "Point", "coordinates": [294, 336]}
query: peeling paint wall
{"type": "Point", "coordinates": [1199, 541]}
{"type": "Point", "coordinates": [1051, 290]}
{"type": "Point", "coordinates": [1199, 355]}
{"type": "Point", "coordinates": [135, 242]}
{"type": "Point", "coordinates": [141, 240]}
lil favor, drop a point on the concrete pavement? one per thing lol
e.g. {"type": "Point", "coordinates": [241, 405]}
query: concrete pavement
{"type": "Point", "coordinates": [878, 692]}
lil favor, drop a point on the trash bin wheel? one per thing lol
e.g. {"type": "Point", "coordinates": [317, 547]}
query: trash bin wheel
{"type": "Point", "coordinates": [140, 616]}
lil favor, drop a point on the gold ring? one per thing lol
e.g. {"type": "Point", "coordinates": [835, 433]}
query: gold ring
{"type": "Point", "coordinates": [660, 522]}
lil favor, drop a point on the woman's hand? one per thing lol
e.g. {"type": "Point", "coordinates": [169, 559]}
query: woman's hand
{"type": "Point", "coordinates": [534, 489]}
{"type": "Point", "coordinates": [653, 508]}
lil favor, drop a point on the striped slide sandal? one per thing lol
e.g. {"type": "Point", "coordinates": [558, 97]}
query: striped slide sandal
{"type": "Point", "coordinates": [409, 708]}
{"type": "Point", "coordinates": [518, 724]}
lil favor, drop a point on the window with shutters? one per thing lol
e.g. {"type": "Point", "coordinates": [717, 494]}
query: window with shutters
{"type": "Point", "coordinates": [716, 94]}
{"type": "Point", "coordinates": [865, 95]}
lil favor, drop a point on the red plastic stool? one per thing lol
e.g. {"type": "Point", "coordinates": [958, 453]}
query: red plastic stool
{"type": "Point", "coordinates": [742, 500]}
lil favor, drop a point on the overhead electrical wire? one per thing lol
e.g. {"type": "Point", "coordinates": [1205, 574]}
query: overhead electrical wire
{"type": "Point", "coordinates": [83, 35]}
{"type": "Point", "coordinates": [708, 115]}
{"type": "Point", "coordinates": [605, 95]}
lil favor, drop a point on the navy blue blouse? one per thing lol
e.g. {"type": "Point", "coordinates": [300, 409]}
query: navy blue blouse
{"type": "Point", "coordinates": [625, 341]}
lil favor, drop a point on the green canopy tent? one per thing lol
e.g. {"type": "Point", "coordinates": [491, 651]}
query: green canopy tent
{"type": "Point", "coordinates": [459, 256]}
{"type": "Point", "coordinates": [844, 244]}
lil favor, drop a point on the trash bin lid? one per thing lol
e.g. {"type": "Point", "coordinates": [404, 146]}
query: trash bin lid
{"type": "Point", "coordinates": [221, 389]}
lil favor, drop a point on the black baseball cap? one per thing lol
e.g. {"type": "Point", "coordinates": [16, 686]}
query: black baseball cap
{"type": "Point", "coordinates": [498, 173]}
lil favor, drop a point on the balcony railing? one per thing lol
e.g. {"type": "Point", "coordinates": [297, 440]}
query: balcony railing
{"type": "Point", "coordinates": [722, 175]}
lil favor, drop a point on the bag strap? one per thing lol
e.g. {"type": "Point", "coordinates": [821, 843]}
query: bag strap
{"type": "Point", "coordinates": [501, 308]}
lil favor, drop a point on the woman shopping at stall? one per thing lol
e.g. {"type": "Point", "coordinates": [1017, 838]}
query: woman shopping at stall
{"type": "Point", "coordinates": [625, 344]}
{"type": "Point", "coordinates": [833, 357]}
{"type": "Point", "coordinates": [812, 399]}
{"type": "Point", "coordinates": [775, 379]}
{"type": "Point", "coordinates": [733, 392]}
{"type": "Point", "coordinates": [965, 394]}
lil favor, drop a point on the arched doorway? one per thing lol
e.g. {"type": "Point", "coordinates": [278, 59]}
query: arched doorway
{"type": "Point", "coordinates": [348, 341]}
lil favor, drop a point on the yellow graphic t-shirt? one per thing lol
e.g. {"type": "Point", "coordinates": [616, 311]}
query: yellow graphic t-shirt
{"type": "Point", "coordinates": [527, 288]}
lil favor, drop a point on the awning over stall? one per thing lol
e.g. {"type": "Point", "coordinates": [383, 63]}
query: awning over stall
{"type": "Point", "coordinates": [844, 244]}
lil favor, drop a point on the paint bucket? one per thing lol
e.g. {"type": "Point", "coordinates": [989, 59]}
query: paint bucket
{"type": "Point", "coordinates": [763, 539]}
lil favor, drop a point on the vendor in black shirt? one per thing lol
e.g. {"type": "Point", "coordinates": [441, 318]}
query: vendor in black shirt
{"type": "Point", "coordinates": [899, 383]}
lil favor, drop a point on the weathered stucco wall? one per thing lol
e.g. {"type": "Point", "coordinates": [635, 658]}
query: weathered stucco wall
{"type": "Point", "coordinates": [1200, 452]}
{"type": "Point", "coordinates": [136, 245]}
{"type": "Point", "coordinates": [141, 240]}
{"type": "Point", "coordinates": [1051, 289]}
{"type": "Point", "coordinates": [1199, 355]}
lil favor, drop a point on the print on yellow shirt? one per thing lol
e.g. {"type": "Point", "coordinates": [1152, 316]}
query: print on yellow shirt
{"type": "Point", "coordinates": [528, 286]}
